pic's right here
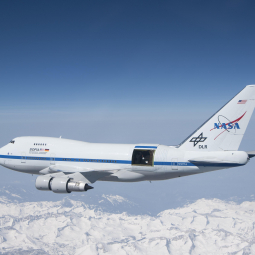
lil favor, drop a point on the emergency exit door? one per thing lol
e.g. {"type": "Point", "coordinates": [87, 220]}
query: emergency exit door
{"type": "Point", "coordinates": [23, 157]}
{"type": "Point", "coordinates": [52, 159]}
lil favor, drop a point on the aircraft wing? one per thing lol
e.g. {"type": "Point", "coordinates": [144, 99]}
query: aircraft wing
{"type": "Point", "coordinates": [87, 175]}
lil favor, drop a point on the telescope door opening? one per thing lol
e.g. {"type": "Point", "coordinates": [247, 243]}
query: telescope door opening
{"type": "Point", "coordinates": [143, 157]}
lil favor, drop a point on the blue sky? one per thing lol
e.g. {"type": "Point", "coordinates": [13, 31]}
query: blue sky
{"type": "Point", "coordinates": [124, 72]}
{"type": "Point", "coordinates": [75, 55]}
{"type": "Point", "coordinates": [179, 60]}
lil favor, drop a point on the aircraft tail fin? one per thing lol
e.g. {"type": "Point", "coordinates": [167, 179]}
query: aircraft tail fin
{"type": "Point", "coordinates": [225, 129]}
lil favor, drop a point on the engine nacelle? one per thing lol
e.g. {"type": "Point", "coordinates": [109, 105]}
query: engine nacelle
{"type": "Point", "coordinates": [78, 186]}
{"type": "Point", "coordinates": [43, 182]}
{"type": "Point", "coordinates": [60, 184]}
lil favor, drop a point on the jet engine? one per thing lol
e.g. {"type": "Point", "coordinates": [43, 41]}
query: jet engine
{"type": "Point", "coordinates": [60, 184]}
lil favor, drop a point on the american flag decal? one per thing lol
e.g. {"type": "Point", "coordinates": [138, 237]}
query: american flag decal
{"type": "Point", "coordinates": [242, 101]}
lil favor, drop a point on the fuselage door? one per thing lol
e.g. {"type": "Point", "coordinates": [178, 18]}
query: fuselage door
{"type": "Point", "coordinates": [23, 157]}
{"type": "Point", "coordinates": [52, 159]}
{"type": "Point", "coordinates": [174, 163]}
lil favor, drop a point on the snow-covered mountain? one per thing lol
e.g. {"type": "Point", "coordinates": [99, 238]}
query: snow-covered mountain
{"type": "Point", "coordinates": [72, 227]}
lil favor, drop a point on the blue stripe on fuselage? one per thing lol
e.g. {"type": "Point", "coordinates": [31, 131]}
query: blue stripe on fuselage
{"type": "Point", "coordinates": [67, 159]}
{"type": "Point", "coordinates": [146, 147]}
{"type": "Point", "coordinates": [110, 161]}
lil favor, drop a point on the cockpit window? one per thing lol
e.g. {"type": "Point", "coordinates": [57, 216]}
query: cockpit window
{"type": "Point", "coordinates": [12, 141]}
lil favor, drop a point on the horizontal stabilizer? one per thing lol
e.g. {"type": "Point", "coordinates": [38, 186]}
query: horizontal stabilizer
{"type": "Point", "coordinates": [214, 163]}
{"type": "Point", "coordinates": [251, 154]}
{"type": "Point", "coordinates": [222, 159]}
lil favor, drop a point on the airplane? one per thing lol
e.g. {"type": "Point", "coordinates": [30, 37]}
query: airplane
{"type": "Point", "coordinates": [65, 165]}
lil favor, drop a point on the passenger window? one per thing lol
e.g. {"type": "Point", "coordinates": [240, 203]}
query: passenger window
{"type": "Point", "coordinates": [143, 157]}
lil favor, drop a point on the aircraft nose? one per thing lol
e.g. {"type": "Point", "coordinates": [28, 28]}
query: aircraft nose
{"type": "Point", "coordinates": [1, 159]}
{"type": "Point", "coordinates": [1, 156]}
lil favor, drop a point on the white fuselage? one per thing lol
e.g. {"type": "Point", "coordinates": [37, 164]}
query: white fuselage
{"type": "Point", "coordinates": [34, 154]}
